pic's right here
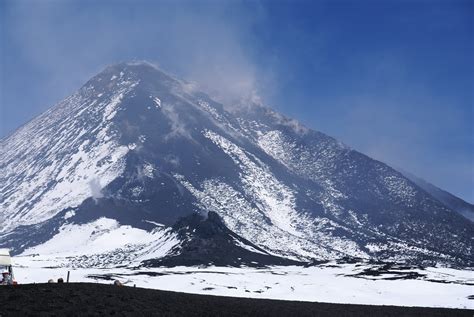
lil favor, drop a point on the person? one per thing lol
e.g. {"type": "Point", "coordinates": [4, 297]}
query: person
{"type": "Point", "coordinates": [6, 278]}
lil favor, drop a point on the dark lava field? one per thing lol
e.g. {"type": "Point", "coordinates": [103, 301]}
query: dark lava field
{"type": "Point", "coordinates": [87, 299]}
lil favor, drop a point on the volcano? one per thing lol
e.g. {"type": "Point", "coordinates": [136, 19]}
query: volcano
{"type": "Point", "coordinates": [138, 166]}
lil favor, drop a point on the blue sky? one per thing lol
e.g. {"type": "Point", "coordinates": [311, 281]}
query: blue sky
{"type": "Point", "coordinates": [393, 79]}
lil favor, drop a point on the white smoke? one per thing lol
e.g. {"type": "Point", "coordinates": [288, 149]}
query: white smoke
{"type": "Point", "coordinates": [96, 189]}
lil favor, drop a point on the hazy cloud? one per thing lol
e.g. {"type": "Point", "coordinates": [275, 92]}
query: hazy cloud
{"type": "Point", "coordinates": [63, 45]}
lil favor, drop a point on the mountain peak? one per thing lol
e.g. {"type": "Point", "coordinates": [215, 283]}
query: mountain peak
{"type": "Point", "coordinates": [136, 66]}
{"type": "Point", "coordinates": [144, 73]}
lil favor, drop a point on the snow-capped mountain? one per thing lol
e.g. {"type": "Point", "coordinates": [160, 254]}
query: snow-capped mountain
{"type": "Point", "coordinates": [135, 154]}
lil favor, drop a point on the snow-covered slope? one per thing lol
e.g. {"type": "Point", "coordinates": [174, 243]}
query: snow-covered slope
{"type": "Point", "coordinates": [62, 157]}
{"type": "Point", "coordinates": [135, 150]}
{"type": "Point", "coordinates": [103, 243]}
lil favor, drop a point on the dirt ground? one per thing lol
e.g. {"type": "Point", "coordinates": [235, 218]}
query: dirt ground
{"type": "Point", "coordinates": [107, 300]}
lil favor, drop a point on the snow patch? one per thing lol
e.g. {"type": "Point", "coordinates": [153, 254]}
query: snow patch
{"type": "Point", "coordinates": [157, 102]}
{"type": "Point", "coordinates": [102, 243]}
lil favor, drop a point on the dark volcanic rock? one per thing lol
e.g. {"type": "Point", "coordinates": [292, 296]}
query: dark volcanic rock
{"type": "Point", "coordinates": [206, 240]}
{"type": "Point", "coordinates": [108, 300]}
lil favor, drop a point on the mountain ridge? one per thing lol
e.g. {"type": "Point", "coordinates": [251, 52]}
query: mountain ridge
{"type": "Point", "coordinates": [452, 201]}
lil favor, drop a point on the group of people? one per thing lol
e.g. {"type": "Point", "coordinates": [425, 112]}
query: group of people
{"type": "Point", "coordinates": [6, 278]}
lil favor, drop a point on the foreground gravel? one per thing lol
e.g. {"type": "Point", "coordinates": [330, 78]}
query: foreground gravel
{"type": "Point", "coordinates": [86, 299]}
